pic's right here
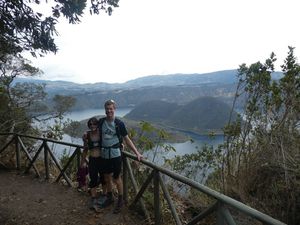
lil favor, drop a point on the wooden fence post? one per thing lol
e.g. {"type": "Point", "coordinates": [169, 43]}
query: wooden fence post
{"type": "Point", "coordinates": [221, 206]}
{"type": "Point", "coordinates": [157, 213]}
{"type": "Point", "coordinates": [17, 152]}
{"type": "Point", "coordinates": [220, 218]}
{"type": "Point", "coordinates": [46, 160]}
{"type": "Point", "coordinates": [78, 154]}
{"type": "Point", "coordinates": [125, 179]}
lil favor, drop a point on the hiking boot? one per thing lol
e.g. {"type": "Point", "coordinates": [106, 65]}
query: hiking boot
{"type": "Point", "coordinates": [93, 203]}
{"type": "Point", "coordinates": [101, 200]}
{"type": "Point", "coordinates": [108, 201]}
{"type": "Point", "coordinates": [118, 206]}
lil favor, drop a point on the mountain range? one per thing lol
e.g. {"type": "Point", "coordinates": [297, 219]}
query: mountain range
{"type": "Point", "coordinates": [225, 77]}
{"type": "Point", "coordinates": [194, 102]}
{"type": "Point", "coordinates": [174, 88]}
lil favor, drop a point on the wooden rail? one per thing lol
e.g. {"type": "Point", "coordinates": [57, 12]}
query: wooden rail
{"type": "Point", "coordinates": [220, 206]}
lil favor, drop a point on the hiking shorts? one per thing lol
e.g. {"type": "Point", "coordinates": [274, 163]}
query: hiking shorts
{"type": "Point", "coordinates": [114, 166]}
{"type": "Point", "coordinates": [96, 172]}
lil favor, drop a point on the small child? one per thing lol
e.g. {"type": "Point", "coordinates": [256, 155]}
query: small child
{"type": "Point", "coordinates": [82, 172]}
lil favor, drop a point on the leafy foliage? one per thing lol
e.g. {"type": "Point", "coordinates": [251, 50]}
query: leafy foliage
{"type": "Point", "coordinates": [24, 29]}
{"type": "Point", "coordinates": [17, 99]}
{"type": "Point", "coordinates": [72, 168]}
{"type": "Point", "coordinates": [261, 153]}
{"type": "Point", "coordinates": [23, 103]}
{"type": "Point", "coordinates": [196, 166]}
{"type": "Point", "coordinates": [148, 138]}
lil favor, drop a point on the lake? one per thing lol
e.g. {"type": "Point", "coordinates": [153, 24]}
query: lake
{"type": "Point", "coordinates": [88, 113]}
{"type": "Point", "coordinates": [82, 115]}
{"type": "Point", "coordinates": [187, 147]}
{"type": "Point", "coordinates": [181, 148]}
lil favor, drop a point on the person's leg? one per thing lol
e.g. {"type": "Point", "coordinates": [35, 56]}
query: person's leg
{"type": "Point", "coordinates": [102, 171]}
{"type": "Point", "coordinates": [93, 173]}
{"type": "Point", "coordinates": [117, 167]}
{"type": "Point", "coordinates": [108, 186]}
{"type": "Point", "coordinates": [108, 182]}
{"type": "Point", "coordinates": [103, 194]}
{"type": "Point", "coordinates": [119, 184]}
{"type": "Point", "coordinates": [103, 183]}
{"type": "Point", "coordinates": [117, 163]}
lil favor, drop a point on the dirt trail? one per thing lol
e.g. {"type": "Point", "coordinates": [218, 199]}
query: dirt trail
{"type": "Point", "coordinates": [25, 200]}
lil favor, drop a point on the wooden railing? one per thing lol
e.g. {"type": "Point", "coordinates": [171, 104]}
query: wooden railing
{"type": "Point", "coordinates": [220, 207]}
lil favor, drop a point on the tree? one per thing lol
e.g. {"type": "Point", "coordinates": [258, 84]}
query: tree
{"type": "Point", "coordinates": [17, 99]}
{"type": "Point", "coordinates": [61, 105]}
{"type": "Point", "coordinates": [23, 29]}
{"type": "Point", "coordinates": [22, 103]}
{"type": "Point", "coordinates": [261, 161]}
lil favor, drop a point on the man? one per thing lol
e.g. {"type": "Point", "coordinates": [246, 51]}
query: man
{"type": "Point", "coordinates": [113, 132]}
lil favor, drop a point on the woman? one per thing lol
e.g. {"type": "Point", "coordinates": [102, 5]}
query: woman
{"type": "Point", "coordinates": [91, 143]}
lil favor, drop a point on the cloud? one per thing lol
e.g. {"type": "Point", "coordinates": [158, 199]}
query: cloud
{"type": "Point", "coordinates": [161, 37]}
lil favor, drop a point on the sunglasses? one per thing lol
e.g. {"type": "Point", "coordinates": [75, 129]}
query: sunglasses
{"type": "Point", "coordinates": [110, 101]}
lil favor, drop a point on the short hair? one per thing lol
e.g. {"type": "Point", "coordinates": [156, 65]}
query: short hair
{"type": "Point", "coordinates": [110, 102]}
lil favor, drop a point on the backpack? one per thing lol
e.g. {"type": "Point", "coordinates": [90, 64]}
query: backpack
{"type": "Point", "coordinates": [118, 131]}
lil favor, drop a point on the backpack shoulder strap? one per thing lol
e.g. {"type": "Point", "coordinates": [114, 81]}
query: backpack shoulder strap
{"type": "Point", "coordinates": [117, 125]}
{"type": "Point", "coordinates": [100, 122]}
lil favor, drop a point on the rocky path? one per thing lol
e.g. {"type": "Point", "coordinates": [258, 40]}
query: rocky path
{"type": "Point", "coordinates": [25, 200]}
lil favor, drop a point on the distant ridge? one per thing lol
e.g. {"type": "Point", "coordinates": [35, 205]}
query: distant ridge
{"type": "Point", "coordinates": [218, 77]}
{"type": "Point", "coordinates": [173, 88]}
{"type": "Point", "coordinates": [203, 114]}
{"type": "Point", "coordinates": [225, 77]}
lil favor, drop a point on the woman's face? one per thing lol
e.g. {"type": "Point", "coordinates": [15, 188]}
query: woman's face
{"type": "Point", "coordinates": [93, 125]}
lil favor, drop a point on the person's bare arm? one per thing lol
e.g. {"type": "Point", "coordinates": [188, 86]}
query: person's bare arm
{"type": "Point", "coordinates": [132, 147]}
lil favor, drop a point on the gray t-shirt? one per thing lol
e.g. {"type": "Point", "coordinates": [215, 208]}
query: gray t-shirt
{"type": "Point", "coordinates": [109, 138]}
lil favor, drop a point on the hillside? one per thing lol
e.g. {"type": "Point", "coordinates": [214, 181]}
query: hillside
{"type": "Point", "coordinates": [173, 88]}
{"type": "Point", "coordinates": [155, 111]}
{"type": "Point", "coordinates": [204, 114]}
{"type": "Point", "coordinates": [76, 129]}
{"type": "Point", "coordinates": [172, 94]}
{"type": "Point", "coordinates": [225, 77]}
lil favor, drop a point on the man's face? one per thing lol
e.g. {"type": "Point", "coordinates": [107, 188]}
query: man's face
{"type": "Point", "coordinates": [110, 111]}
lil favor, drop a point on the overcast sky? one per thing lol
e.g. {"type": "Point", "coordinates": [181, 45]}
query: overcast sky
{"type": "Point", "coordinates": [157, 37]}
